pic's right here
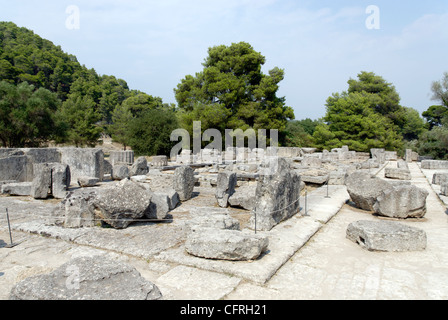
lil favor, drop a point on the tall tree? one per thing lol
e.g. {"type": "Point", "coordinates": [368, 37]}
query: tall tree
{"type": "Point", "coordinates": [233, 89]}
{"type": "Point", "coordinates": [27, 115]}
{"type": "Point", "coordinates": [440, 90]}
{"type": "Point", "coordinates": [367, 116]}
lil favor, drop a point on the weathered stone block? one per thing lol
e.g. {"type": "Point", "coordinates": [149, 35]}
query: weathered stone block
{"type": "Point", "coordinates": [17, 189]}
{"type": "Point", "coordinates": [225, 188]}
{"type": "Point", "coordinates": [86, 278]}
{"type": "Point", "coordinates": [365, 189]}
{"type": "Point", "coordinates": [244, 197]}
{"type": "Point", "coordinates": [17, 168]}
{"type": "Point", "coordinates": [120, 172]}
{"type": "Point", "coordinates": [212, 243]}
{"type": "Point", "coordinates": [83, 162]}
{"type": "Point", "coordinates": [140, 167]}
{"type": "Point", "coordinates": [405, 201]}
{"type": "Point", "coordinates": [60, 176]}
{"type": "Point", "coordinates": [77, 210]}
{"type": "Point", "coordinates": [123, 203]}
{"type": "Point", "coordinates": [86, 182]}
{"type": "Point", "coordinates": [210, 217]}
{"type": "Point", "coordinates": [277, 195]}
{"type": "Point", "coordinates": [41, 185]}
{"type": "Point", "coordinates": [439, 178]}
{"type": "Point", "coordinates": [398, 174]}
{"type": "Point", "coordinates": [434, 164]}
{"type": "Point", "coordinates": [159, 208]}
{"type": "Point", "coordinates": [386, 236]}
{"type": "Point", "coordinates": [183, 182]}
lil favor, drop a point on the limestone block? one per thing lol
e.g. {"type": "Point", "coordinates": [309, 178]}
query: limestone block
{"type": "Point", "coordinates": [217, 244]}
{"type": "Point", "coordinates": [386, 236]}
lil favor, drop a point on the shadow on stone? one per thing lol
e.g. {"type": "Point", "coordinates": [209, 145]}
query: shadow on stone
{"type": "Point", "coordinates": [2, 244]}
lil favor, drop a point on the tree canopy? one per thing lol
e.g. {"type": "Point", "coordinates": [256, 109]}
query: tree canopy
{"type": "Point", "coordinates": [232, 92]}
{"type": "Point", "coordinates": [368, 115]}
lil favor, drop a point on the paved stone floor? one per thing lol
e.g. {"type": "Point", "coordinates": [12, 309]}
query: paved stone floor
{"type": "Point", "coordinates": [311, 258]}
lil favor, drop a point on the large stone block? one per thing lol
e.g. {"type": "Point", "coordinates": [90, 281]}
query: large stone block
{"type": "Point", "coordinates": [140, 167]}
{"type": "Point", "coordinates": [123, 203]}
{"type": "Point", "coordinates": [277, 195]}
{"type": "Point", "coordinates": [439, 178]}
{"type": "Point", "coordinates": [225, 187]}
{"type": "Point", "coordinates": [434, 164]}
{"type": "Point", "coordinates": [126, 157]}
{"type": "Point", "coordinates": [88, 278]}
{"type": "Point", "coordinates": [77, 210]}
{"type": "Point", "coordinates": [386, 236]}
{"type": "Point", "coordinates": [402, 201]}
{"type": "Point", "coordinates": [17, 189]}
{"type": "Point", "coordinates": [83, 162]}
{"type": "Point", "coordinates": [379, 155]}
{"type": "Point", "coordinates": [41, 185]}
{"type": "Point", "coordinates": [159, 207]}
{"type": "Point", "coordinates": [218, 244]}
{"type": "Point", "coordinates": [365, 189]}
{"type": "Point", "coordinates": [244, 197]}
{"type": "Point", "coordinates": [210, 217]}
{"type": "Point", "coordinates": [17, 168]}
{"type": "Point", "coordinates": [398, 174]}
{"type": "Point", "coordinates": [60, 180]}
{"type": "Point", "coordinates": [120, 172]}
{"type": "Point", "coordinates": [183, 182]}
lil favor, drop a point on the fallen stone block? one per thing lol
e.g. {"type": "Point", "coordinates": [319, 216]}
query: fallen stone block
{"type": "Point", "coordinates": [85, 278]}
{"type": "Point", "coordinates": [439, 178]}
{"type": "Point", "coordinates": [86, 182]}
{"type": "Point", "coordinates": [310, 161]}
{"type": "Point", "coordinates": [337, 178]}
{"type": "Point", "coordinates": [41, 185]}
{"type": "Point", "coordinates": [406, 201]}
{"type": "Point", "coordinates": [60, 180]}
{"type": "Point", "coordinates": [77, 210]}
{"type": "Point", "coordinates": [126, 157]}
{"type": "Point", "coordinates": [364, 189]}
{"type": "Point", "coordinates": [314, 179]}
{"type": "Point", "coordinates": [386, 236]}
{"type": "Point", "coordinates": [225, 188]}
{"type": "Point", "coordinates": [434, 164]}
{"type": "Point", "coordinates": [444, 189]}
{"type": "Point", "coordinates": [277, 195]}
{"type": "Point", "coordinates": [217, 244]}
{"type": "Point", "coordinates": [398, 174]}
{"type": "Point", "coordinates": [244, 197]}
{"type": "Point", "coordinates": [17, 189]}
{"type": "Point", "coordinates": [159, 207]}
{"type": "Point", "coordinates": [139, 168]}
{"type": "Point", "coordinates": [183, 182]}
{"type": "Point", "coordinates": [122, 203]}
{"type": "Point", "coordinates": [83, 162]}
{"type": "Point", "coordinates": [120, 172]}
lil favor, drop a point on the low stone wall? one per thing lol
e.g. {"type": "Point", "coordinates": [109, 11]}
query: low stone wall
{"type": "Point", "coordinates": [17, 164]}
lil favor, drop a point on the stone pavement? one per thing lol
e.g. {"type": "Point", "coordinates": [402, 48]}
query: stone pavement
{"type": "Point", "coordinates": [309, 257]}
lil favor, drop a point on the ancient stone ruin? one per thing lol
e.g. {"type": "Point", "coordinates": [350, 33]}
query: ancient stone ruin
{"type": "Point", "coordinates": [254, 194]}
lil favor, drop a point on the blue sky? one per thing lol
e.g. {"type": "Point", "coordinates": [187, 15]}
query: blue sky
{"type": "Point", "coordinates": [320, 44]}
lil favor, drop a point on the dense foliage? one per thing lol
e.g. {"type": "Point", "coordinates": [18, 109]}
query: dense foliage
{"type": "Point", "coordinates": [368, 115]}
{"type": "Point", "coordinates": [47, 95]}
{"type": "Point", "coordinates": [231, 92]}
